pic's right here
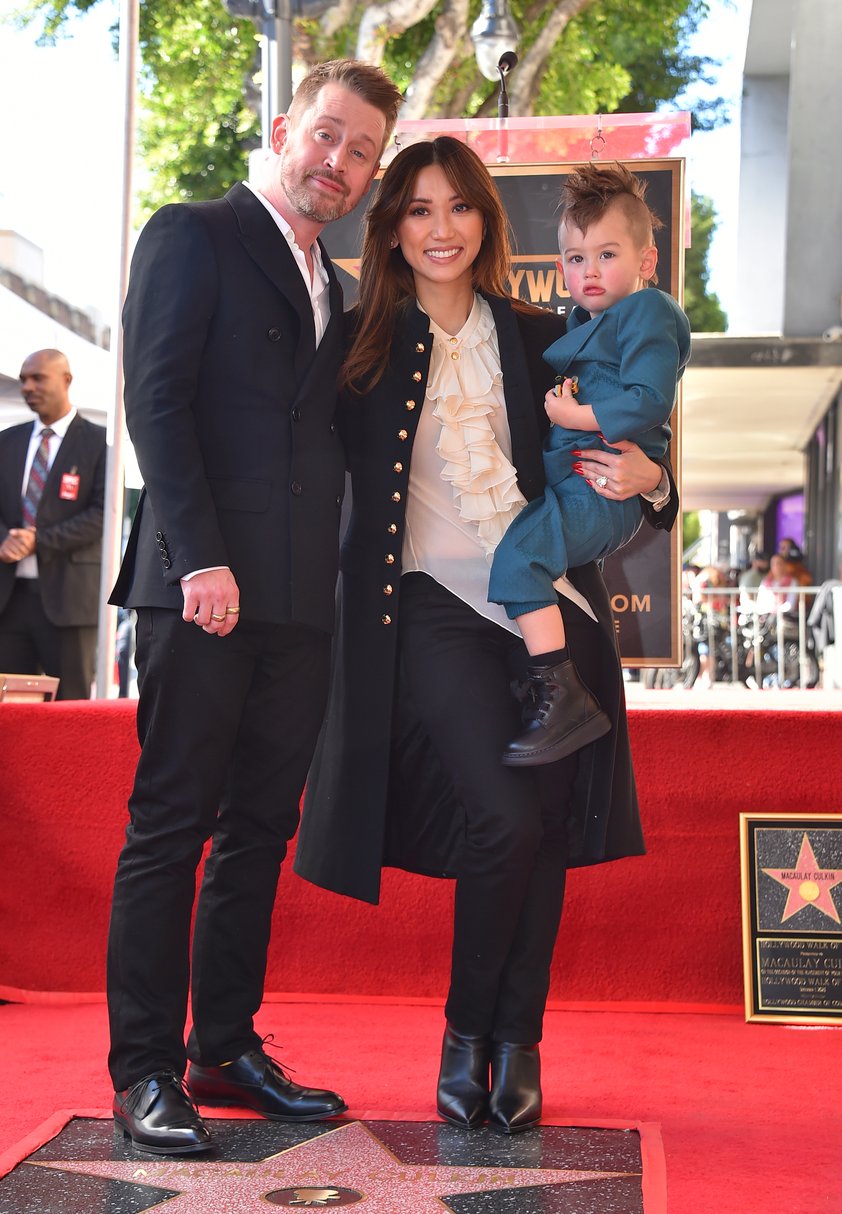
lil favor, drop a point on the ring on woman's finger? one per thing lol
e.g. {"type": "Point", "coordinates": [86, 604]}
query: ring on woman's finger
{"type": "Point", "coordinates": [218, 618]}
{"type": "Point", "coordinates": [232, 611]}
{"type": "Point", "coordinates": [602, 481]}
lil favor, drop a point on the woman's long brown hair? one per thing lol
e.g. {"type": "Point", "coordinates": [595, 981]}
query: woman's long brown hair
{"type": "Point", "coordinates": [386, 281]}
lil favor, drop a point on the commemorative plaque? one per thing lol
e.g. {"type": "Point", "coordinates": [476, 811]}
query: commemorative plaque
{"type": "Point", "coordinates": [792, 917]}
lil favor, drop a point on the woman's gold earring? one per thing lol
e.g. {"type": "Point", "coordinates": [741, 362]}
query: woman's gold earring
{"type": "Point", "coordinates": [393, 243]}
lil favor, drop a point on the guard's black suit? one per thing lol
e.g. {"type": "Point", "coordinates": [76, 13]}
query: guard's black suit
{"type": "Point", "coordinates": [230, 407]}
{"type": "Point", "coordinates": [69, 552]}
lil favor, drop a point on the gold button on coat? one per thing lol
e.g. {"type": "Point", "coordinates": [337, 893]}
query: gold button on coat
{"type": "Point", "coordinates": [386, 619]}
{"type": "Point", "coordinates": [396, 497]}
{"type": "Point", "coordinates": [398, 467]}
{"type": "Point", "coordinates": [387, 589]}
{"type": "Point", "coordinates": [390, 560]}
{"type": "Point", "coordinates": [416, 375]}
{"type": "Point", "coordinates": [403, 435]}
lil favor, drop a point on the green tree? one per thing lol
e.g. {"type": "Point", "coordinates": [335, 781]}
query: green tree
{"type": "Point", "coordinates": [200, 105]}
{"type": "Point", "coordinates": [702, 307]}
{"type": "Point", "coordinates": [200, 98]}
{"type": "Point", "coordinates": [691, 529]}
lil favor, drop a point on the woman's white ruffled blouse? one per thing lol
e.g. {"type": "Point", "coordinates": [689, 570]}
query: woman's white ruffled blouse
{"type": "Point", "coordinates": [463, 489]}
{"type": "Point", "coordinates": [464, 388]}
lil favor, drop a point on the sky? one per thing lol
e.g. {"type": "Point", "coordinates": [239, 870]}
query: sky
{"type": "Point", "coordinates": [61, 136]}
{"type": "Point", "coordinates": [60, 142]}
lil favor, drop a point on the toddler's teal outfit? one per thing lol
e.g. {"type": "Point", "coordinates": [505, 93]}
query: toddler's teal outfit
{"type": "Point", "coordinates": [628, 360]}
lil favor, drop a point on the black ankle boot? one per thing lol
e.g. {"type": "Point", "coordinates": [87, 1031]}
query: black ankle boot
{"type": "Point", "coordinates": [515, 1102]}
{"type": "Point", "coordinates": [564, 718]}
{"type": "Point", "coordinates": [462, 1096]}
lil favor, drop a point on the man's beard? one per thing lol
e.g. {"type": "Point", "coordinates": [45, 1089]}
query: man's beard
{"type": "Point", "coordinates": [310, 205]}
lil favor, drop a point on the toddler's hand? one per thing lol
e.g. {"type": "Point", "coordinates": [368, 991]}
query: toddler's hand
{"type": "Point", "coordinates": [561, 406]}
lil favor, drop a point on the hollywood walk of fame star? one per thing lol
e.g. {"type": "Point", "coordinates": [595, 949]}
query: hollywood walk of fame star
{"type": "Point", "coordinates": [347, 1158]}
{"type": "Point", "coordinates": [808, 884]}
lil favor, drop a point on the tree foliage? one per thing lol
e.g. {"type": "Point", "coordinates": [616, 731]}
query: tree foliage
{"type": "Point", "coordinates": [702, 307]}
{"type": "Point", "coordinates": [199, 101]}
{"type": "Point", "coordinates": [691, 529]}
{"type": "Point", "coordinates": [201, 91]}
{"type": "Point", "coordinates": [201, 98]}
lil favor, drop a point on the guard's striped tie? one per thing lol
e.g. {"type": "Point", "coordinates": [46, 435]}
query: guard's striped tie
{"type": "Point", "coordinates": [37, 478]}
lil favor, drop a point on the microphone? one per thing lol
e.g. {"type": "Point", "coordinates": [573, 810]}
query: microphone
{"type": "Point", "coordinates": [506, 62]}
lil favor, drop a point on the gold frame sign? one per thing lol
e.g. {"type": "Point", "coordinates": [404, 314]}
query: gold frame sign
{"type": "Point", "coordinates": [644, 577]}
{"type": "Point", "coordinates": [792, 917]}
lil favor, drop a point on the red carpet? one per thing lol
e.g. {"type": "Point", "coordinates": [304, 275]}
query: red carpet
{"type": "Point", "coordinates": [661, 929]}
{"type": "Point", "coordinates": [749, 1114]}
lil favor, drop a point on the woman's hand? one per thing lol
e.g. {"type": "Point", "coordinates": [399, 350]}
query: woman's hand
{"type": "Point", "coordinates": [627, 474]}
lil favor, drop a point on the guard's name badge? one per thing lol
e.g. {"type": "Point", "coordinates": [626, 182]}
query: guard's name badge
{"type": "Point", "coordinates": [69, 488]}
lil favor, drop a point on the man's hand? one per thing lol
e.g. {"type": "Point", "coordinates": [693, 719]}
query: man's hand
{"type": "Point", "coordinates": [627, 474]}
{"type": "Point", "coordinates": [212, 600]}
{"type": "Point", "coordinates": [20, 542]}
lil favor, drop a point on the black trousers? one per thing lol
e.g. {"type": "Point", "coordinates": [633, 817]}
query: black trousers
{"type": "Point", "coordinates": [31, 644]}
{"type": "Point", "coordinates": [227, 729]}
{"type": "Point", "coordinates": [458, 669]}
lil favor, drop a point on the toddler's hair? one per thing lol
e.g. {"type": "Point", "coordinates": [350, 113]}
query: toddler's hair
{"type": "Point", "coordinates": [591, 190]}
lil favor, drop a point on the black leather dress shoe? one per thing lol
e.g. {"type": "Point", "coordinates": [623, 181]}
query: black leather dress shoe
{"type": "Point", "coordinates": [256, 1081]}
{"type": "Point", "coordinates": [159, 1116]}
{"type": "Point", "coordinates": [515, 1101]}
{"type": "Point", "coordinates": [462, 1094]}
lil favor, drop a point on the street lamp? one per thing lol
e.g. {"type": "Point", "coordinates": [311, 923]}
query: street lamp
{"type": "Point", "coordinates": [274, 20]}
{"type": "Point", "coordinates": [493, 34]}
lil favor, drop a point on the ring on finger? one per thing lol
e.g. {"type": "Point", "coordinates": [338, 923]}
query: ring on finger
{"type": "Point", "coordinates": [218, 618]}
{"type": "Point", "coordinates": [232, 611]}
{"type": "Point", "coordinates": [602, 481]}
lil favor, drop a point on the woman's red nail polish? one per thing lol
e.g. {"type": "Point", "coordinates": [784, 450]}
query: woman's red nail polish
{"type": "Point", "coordinates": [577, 453]}
{"type": "Point", "coordinates": [579, 468]}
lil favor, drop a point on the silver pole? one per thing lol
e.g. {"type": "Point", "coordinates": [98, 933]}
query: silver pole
{"type": "Point", "coordinates": [276, 64]}
{"type": "Point", "coordinates": [779, 637]}
{"type": "Point", "coordinates": [116, 428]}
{"type": "Point", "coordinates": [711, 644]}
{"type": "Point", "coordinates": [284, 35]}
{"type": "Point", "coordinates": [269, 72]}
{"type": "Point", "coordinates": [803, 660]}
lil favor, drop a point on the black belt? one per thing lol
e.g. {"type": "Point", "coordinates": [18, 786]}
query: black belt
{"type": "Point", "coordinates": [27, 585]}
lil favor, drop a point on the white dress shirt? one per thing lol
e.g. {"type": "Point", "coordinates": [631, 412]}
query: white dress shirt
{"type": "Point", "coordinates": [317, 286]}
{"type": "Point", "coordinates": [28, 567]}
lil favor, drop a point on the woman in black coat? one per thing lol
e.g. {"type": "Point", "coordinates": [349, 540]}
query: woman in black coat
{"type": "Point", "coordinates": [408, 771]}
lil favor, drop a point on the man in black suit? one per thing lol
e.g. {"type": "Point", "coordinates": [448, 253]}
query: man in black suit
{"type": "Point", "coordinates": [233, 341]}
{"type": "Point", "coordinates": [52, 489]}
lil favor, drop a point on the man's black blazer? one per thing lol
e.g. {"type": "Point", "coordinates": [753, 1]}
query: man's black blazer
{"type": "Point", "coordinates": [69, 533]}
{"type": "Point", "coordinates": [231, 410]}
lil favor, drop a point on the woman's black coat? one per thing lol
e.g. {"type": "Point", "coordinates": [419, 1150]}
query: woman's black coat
{"type": "Point", "coordinates": [376, 794]}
